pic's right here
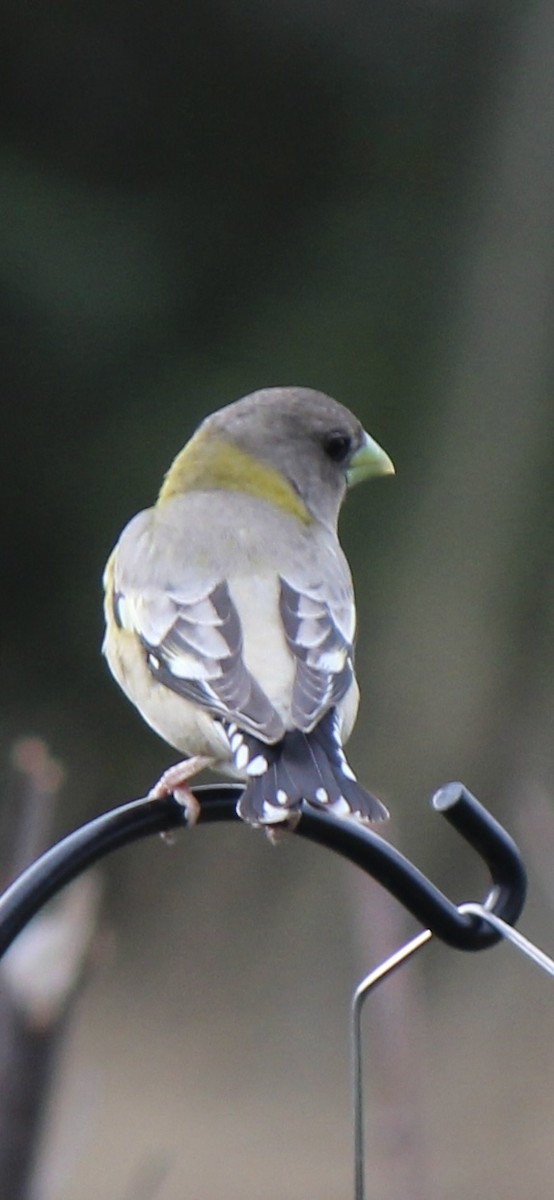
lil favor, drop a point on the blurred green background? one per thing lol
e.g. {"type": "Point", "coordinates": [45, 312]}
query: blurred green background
{"type": "Point", "coordinates": [202, 199]}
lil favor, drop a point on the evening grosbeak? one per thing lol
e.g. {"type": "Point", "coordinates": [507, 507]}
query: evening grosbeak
{"type": "Point", "coordinates": [230, 611]}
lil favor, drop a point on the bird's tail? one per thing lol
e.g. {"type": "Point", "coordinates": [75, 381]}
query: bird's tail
{"type": "Point", "coordinates": [307, 767]}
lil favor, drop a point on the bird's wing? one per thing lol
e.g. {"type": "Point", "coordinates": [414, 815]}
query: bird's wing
{"type": "Point", "coordinates": [194, 647]}
{"type": "Point", "coordinates": [319, 625]}
{"type": "Point", "coordinates": [190, 632]}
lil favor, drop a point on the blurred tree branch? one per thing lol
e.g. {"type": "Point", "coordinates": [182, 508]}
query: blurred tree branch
{"type": "Point", "coordinates": [39, 976]}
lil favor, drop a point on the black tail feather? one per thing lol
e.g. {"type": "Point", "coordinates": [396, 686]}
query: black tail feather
{"type": "Point", "coordinates": [307, 767]}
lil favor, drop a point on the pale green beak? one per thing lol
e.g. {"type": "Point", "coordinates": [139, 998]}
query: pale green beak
{"type": "Point", "coordinates": [368, 461]}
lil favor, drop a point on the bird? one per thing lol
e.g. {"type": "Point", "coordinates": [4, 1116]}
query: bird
{"type": "Point", "coordinates": [230, 613]}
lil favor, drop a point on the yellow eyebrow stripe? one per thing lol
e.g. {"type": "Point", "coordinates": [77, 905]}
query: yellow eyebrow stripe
{"type": "Point", "coordinates": [208, 463]}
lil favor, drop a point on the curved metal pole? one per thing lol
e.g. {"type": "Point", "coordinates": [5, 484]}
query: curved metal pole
{"type": "Point", "coordinates": [470, 927]}
{"type": "Point", "coordinates": [367, 849]}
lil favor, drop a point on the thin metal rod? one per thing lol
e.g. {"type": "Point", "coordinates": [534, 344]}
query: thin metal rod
{"type": "Point", "coordinates": [363, 990]}
{"type": "Point", "coordinates": [521, 943]}
{"type": "Point", "coordinates": [378, 976]}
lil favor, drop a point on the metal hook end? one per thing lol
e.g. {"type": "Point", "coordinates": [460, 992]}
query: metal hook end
{"type": "Point", "coordinates": [447, 796]}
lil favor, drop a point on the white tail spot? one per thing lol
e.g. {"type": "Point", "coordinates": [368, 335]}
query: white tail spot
{"type": "Point", "coordinates": [258, 765]}
{"type": "Point", "coordinates": [241, 757]}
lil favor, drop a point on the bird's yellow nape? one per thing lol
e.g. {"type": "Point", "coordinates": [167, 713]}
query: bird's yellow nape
{"type": "Point", "coordinates": [207, 462]}
{"type": "Point", "coordinates": [370, 460]}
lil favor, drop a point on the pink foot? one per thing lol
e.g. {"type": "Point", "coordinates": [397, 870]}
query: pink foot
{"type": "Point", "coordinates": [174, 782]}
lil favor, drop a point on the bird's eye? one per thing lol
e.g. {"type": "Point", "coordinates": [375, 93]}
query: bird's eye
{"type": "Point", "coordinates": [337, 445]}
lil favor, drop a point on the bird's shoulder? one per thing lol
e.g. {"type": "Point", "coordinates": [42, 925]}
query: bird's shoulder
{"type": "Point", "coordinates": [204, 537]}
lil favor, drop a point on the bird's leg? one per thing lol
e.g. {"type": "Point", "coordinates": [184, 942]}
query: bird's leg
{"type": "Point", "coordinates": [174, 782]}
{"type": "Point", "coordinates": [276, 832]}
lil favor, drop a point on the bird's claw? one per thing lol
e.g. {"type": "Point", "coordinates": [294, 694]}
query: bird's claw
{"type": "Point", "coordinates": [174, 782]}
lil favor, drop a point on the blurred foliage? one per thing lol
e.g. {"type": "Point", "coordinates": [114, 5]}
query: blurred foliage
{"type": "Point", "coordinates": [198, 202]}
{"type": "Point", "coordinates": [203, 199]}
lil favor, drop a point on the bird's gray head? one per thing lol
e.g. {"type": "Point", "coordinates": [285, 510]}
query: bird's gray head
{"type": "Point", "coordinates": [317, 444]}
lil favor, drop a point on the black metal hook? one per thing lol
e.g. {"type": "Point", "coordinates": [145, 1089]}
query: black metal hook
{"type": "Point", "coordinates": [362, 846]}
